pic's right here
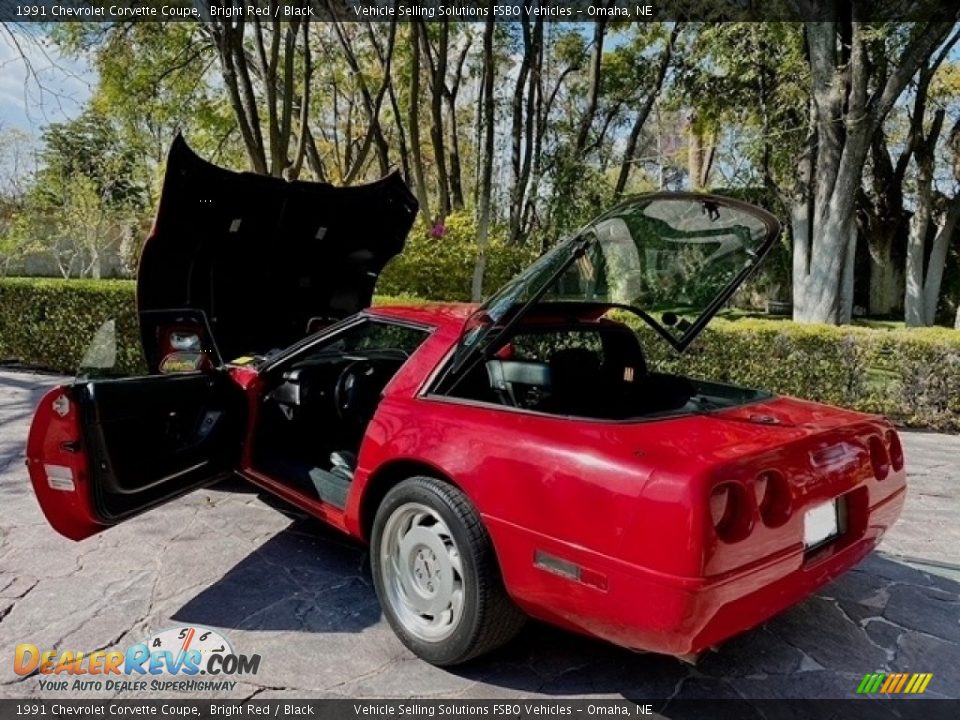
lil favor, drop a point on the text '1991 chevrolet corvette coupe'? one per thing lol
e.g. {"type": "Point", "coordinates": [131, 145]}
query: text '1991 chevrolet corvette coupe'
{"type": "Point", "coordinates": [518, 458]}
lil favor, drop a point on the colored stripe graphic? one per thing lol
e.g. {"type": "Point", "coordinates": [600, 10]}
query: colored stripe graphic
{"type": "Point", "coordinates": [868, 683]}
{"type": "Point", "coordinates": [901, 682]}
{"type": "Point", "coordinates": [906, 683]}
{"type": "Point", "coordinates": [890, 683]}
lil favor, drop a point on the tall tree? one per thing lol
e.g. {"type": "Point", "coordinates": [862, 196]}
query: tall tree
{"type": "Point", "coordinates": [522, 110]}
{"type": "Point", "coordinates": [413, 123]}
{"type": "Point", "coordinates": [437, 72]}
{"type": "Point", "coordinates": [883, 219]}
{"type": "Point", "coordinates": [487, 101]}
{"type": "Point", "coordinates": [846, 113]}
{"type": "Point", "coordinates": [594, 83]}
{"type": "Point", "coordinates": [645, 106]}
{"type": "Point", "coordinates": [926, 260]}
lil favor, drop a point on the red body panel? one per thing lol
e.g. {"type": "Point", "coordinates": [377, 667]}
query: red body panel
{"type": "Point", "coordinates": [627, 503]}
{"type": "Point", "coordinates": [55, 439]}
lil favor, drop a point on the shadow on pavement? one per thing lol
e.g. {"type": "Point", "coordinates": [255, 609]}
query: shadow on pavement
{"type": "Point", "coordinates": [884, 615]}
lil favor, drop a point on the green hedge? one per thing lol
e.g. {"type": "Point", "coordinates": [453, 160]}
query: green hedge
{"type": "Point", "coordinates": [49, 323]}
{"type": "Point", "coordinates": [913, 376]}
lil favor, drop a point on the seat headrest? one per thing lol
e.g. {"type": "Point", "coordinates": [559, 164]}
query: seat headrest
{"type": "Point", "coordinates": [571, 365]}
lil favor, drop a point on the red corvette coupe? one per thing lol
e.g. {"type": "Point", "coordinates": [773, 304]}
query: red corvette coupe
{"type": "Point", "coordinates": [516, 459]}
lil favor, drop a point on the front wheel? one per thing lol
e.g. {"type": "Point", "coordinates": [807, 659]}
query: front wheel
{"type": "Point", "coordinates": [436, 574]}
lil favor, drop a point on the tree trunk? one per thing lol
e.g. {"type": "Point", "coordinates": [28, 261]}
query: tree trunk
{"type": "Point", "coordinates": [913, 309]}
{"type": "Point", "coordinates": [593, 91]}
{"type": "Point", "coordinates": [643, 112]}
{"type": "Point", "coordinates": [450, 93]}
{"type": "Point", "coordinates": [229, 42]}
{"type": "Point", "coordinates": [833, 247]}
{"type": "Point", "coordinates": [371, 107]}
{"type": "Point", "coordinates": [456, 168]}
{"type": "Point", "coordinates": [519, 139]}
{"type": "Point", "coordinates": [700, 154]}
{"type": "Point", "coordinates": [486, 158]}
{"type": "Point", "coordinates": [694, 154]}
{"type": "Point", "coordinates": [886, 280]}
{"type": "Point", "coordinates": [882, 221]}
{"type": "Point", "coordinates": [800, 231]}
{"type": "Point", "coordinates": [846, 286]}
{"type": "Point", "coordinates": [386, 59]}
{"type": "Point", "coordinates": [413, 123]}
{"type": "Point", "coordinates": [532, 132]}
{"type": "Point", "coordinates": [848, 111]}
{"type": "Point", "coordinates": [438, 79]}
{"type": "Point", "coordinates": [914, 306]}
{"type": "Point", "coordinates": [840, 157]}
{"type": "Point", "coordinates": [937, 262]}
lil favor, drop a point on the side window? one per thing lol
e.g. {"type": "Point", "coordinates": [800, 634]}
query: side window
{"type": "Point", "coordinates": [384, 336]}
{"type": "Point", "coordinates": [372, 336]}
{"type": "Point", "coordinates": [539, 346]}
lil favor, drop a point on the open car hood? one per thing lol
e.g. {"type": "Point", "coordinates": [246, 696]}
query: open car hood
{"type": "Point", "coordinates": [262, 257]}
{"type": "Point", "coordinates": [674, 259]}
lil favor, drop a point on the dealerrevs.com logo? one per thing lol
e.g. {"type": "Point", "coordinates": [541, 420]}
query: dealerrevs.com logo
{"type": "Point", "coordinates": [178, 659]}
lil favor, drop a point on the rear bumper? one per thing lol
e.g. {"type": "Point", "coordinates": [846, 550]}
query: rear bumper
{"type": "Point", "coordinates": [636, 608]}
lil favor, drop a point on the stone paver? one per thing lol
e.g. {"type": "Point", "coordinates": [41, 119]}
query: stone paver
{"type": "Point", "coordinates": [279, 584]}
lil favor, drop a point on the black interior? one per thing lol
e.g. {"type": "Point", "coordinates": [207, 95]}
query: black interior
{"type": "Point", "coordinates": [150, 438]}
{"type": "Point", "coordinates": [317, 406]}
{"type": "Point", "coordinates": [335, 399]}
{"type": "Point", "coordinates": [594, 370]}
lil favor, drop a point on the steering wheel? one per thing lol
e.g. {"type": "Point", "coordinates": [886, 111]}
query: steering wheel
{"type": "Point", "coordinates": [348, 392]}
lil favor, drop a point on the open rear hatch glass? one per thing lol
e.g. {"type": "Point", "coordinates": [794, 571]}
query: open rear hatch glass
{"type": "Point", "coordinates": [674, 259]}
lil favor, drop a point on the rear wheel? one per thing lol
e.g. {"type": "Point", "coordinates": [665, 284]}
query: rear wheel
{"type": "Point", "coordinates": [436, 574]}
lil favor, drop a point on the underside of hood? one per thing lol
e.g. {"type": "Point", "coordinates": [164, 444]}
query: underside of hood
{"type": "Point", "coordinates": [263, 257]}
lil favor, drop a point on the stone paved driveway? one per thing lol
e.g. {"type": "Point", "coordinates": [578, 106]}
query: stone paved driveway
{"type": "Point", "coordinates": [300, 596]}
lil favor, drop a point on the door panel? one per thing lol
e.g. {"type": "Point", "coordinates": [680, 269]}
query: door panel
{"type": "Point", "coordinates": [58, 467]}
{"type": "Point", "coordinates": [101, 451]}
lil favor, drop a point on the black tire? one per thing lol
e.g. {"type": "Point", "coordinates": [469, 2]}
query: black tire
{"type": "Point", "coordinates": [489, 617]}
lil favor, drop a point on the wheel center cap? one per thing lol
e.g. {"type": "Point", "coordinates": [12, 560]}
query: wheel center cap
{"type": "Point", "coordinates": [429, 577]}
{"type": "Point", "coordinates": [426, 570]}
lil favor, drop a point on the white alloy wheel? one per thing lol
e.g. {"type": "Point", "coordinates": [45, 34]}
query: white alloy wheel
{"type": "Point", "coordinates": [421, 572]}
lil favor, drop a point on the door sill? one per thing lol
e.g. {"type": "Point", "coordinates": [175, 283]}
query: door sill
{"type": "Point", "coordinates": [330, 514]}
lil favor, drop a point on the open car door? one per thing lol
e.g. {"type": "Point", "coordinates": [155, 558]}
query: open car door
{"type": "Point", "coordinates": [100, 451]}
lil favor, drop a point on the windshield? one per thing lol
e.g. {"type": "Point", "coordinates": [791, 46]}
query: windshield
{"type": "Point", "coordinates": [515, 294]}
{"type": "Point", "coordinates": [672, 258]}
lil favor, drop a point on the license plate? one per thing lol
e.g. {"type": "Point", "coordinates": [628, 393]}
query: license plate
{"type": "Point", "coordinates": [820, 524]}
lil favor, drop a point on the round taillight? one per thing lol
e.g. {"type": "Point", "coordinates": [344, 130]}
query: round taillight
{"type": "Point", "coordinates": [773, 498]}
{"type": "Point", "coordinates": [720, 505]}
{"type": "Point", "coordinates": [730, 512]}
{"type": "Point", "coordinates": [760, 488]}
{"type": "Point", "coordinates": [879, 458]}
{"type": "Point", "coordinates": [895, 449]}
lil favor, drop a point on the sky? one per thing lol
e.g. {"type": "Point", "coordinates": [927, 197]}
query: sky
{"type": "Point", "coordinates": [37, 85]}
